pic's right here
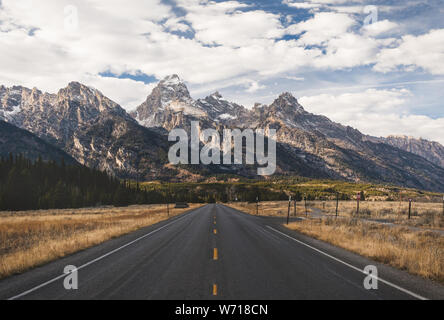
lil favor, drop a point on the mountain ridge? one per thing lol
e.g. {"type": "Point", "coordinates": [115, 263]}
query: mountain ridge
{"type": "Point", "coordinates": [99, 133]}
{"type": "Point", "coordinates": [15, 141]}
{"type": "Point", "coordinates": [430, 150]}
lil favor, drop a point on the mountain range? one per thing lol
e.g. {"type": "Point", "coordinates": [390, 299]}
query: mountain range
{"type": "Point", "coordinates": [97, 132]}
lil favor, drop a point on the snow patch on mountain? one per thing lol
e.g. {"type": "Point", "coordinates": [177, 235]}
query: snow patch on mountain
{"type": "Point", "coordinates": [227, 116]}
{"type": "Point", "coordinates": [186, 108]}
{"type": "Point", "coordinates": [172, 80]}
{"type": "Point", "coordinates": [15, 110]}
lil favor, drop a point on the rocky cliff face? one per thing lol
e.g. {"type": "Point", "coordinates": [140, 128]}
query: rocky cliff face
{"type": "Point", "coordinates": [430, 150]}
{"type": "Point", "coordinates": [221, 110]}
{"type": "Point", "coordinates": [94, 130]}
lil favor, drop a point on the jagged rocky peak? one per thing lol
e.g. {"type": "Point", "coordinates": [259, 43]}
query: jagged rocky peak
{"type": "Point", "coordinates": [10, 97]}
{"type": "Point", "coordinates": [165, 107]}
{"type": "Point", "coordinates": [75, 88]}
{"type": "Point", "coordinates": [287, 102]}
{"type": "Point", "coordinates": [216, 95]}
{"type": "Point", "coordinates": [14, 99]}
{"type": "Point", "coordinates": [286, 108]}
{"type": "Point", "coordinates": [172, 80]}
{"type": "Point", "coordinates": [220, 109]}
{"type": "Point", "coordinates": [404, 138]}
{"type": "Point", "coordinates": [172, 88]}
{"type": "Point", "coordinates": [81, 96]}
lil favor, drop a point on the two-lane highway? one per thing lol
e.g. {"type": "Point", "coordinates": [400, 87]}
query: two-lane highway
{"type": "Point", "coordinates": [215, 252]}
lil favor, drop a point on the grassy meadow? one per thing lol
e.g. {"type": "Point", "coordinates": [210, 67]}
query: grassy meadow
{"type": "Point", "coordinates": [428, 215]}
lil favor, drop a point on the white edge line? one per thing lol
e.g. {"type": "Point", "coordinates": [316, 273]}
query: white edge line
{"type": "Point", "coordinates": [95, 260]}
{"type": "Point", "coordinates": [351, 266]}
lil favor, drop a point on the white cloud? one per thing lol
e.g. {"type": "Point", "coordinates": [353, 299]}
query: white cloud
{"type": "Point", "coordinates": [323, 27]}
{"type": "Point", "coordinates": [317, 2]}
{"type": "Point", "coordinates": [294, 78]}
{"type": "Point", "coordinates": [335, 5]}
{"type": "Point", "coordinates": [254, 86]}
{"type": "Point", "coordinates": [423, 51]}
{"type": "Point", "coordinates": [379, 28]}
{"type": "Point", "coordinates": [176, 24]}
{"type": "Point", "coordinates": [219, 23]}
{"type": "Point", "coordinates": [376, 112]}
{"type": "Point", "coordinates": [302, 5]}
{"type": "Point", "coordinates": [348, 50]}
{"type": "Point", "coordinates": [129, 93]}
{"type": "Point", "coordinates": [347, 9]}
{"type": "Point", "coordinates": [342, 47]}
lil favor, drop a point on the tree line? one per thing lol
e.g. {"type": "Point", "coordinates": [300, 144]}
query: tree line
{"type": "Point", "coordinates": [34, 185]}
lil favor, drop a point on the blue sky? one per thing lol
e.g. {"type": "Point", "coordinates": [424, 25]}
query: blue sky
{"type": "Point", "coordinates": [382, 77]}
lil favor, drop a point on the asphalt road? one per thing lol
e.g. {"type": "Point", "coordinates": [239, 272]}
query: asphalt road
{"type": "Point", "coordinates": [216, 252]}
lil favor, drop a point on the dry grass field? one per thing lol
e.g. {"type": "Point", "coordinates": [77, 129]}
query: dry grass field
{"type": "Point", "coordinates": [270, 208]}
{"type": "Point", "coordinates": [32, 238]}
{"type": "Point", "coordinates": [418, 252]}
{"type": "Point", "coordinates": [428, 215]}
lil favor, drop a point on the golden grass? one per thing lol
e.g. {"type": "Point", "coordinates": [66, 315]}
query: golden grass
{"type": "Point", "coordinates": [32, 238]}
{"type": "Point", "coordinates": [270, 208]}
{"type": "Point", "coordinates": [418, 252]}
{"type": "Point", "coordinates": [423, 215]}
{"type": "Point", "coordinates": [427, 215]}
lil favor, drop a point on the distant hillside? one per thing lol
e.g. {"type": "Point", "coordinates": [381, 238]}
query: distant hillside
{"type": "Point", "coordinates": [431, 150]}
{"type": "Point", "coordinates": [18, 141]}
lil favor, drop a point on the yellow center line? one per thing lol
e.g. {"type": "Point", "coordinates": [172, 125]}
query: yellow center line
{"type": "Point", "coordinates": [215, 254]}
{"type": "Point", "coordinates": [214, 289]}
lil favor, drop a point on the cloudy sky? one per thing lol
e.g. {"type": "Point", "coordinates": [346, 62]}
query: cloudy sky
{"type": "Point", "coordinates": [377, 66]}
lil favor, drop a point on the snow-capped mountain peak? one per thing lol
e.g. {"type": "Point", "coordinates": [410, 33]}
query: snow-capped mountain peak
{"type": "Point", "coordinates": [216, 95]}
{"type": "Point", "coordinates": [287, 101]}
{"type": "Point", "coordinates": [169, 101]}
{"type": "Point", "coordinates": [171, 80]}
